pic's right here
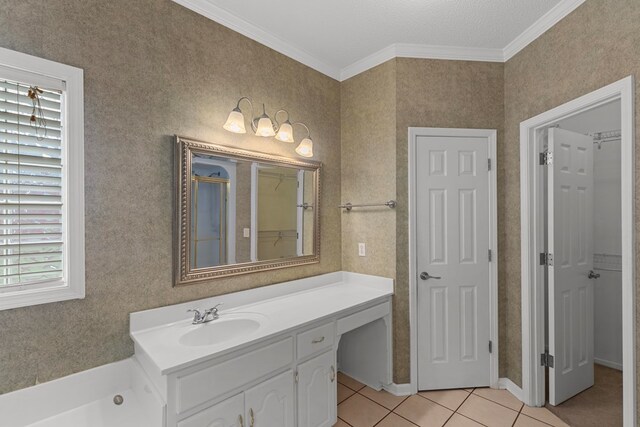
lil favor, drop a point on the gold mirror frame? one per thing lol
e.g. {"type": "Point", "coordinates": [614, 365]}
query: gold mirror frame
{"type": "Point", "coordinates": [184, 274]}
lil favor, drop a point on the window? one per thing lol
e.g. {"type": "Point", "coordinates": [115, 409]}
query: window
{"type": "Point", "coordinates": [41, 181]}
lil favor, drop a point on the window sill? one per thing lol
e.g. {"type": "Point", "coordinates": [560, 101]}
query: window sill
{"type": "Point", "coordinates": [28, 297]}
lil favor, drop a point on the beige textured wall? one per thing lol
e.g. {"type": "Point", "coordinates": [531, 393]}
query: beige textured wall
{"type": "Point", "coordinates": [152, 69]}
{"type": "Point", "coordinates": [368, 169]}
{"type": "Point", "coordinates": [435, 93]}
{"type": "Point", "coordinates": [597, 44]}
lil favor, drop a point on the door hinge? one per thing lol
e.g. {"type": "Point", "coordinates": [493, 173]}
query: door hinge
{"type": "Point", "coordinates": [489, 164]}
{"type": "Point", "coordinates": [546, 259]}
{"type": "Point", "coordinates": [546, 360]}
{"type": "Point", "coordinates": [490, 347]}
{"type": "Point", "coordinates": [546, 158]}
{"type": "Point", "coordinates": [490, 255]}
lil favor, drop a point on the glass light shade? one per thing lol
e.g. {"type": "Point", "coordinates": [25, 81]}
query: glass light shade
{"type": "Point", "coordinates": [305, 149]}
{"type": "Point", "coordinates": [235, 122]}
{"type": "Point", "coordinates": [265, 127]}
{"type": "Point", "coordinates": [285, 133]}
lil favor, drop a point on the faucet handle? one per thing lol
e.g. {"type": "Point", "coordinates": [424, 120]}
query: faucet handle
{"type": "Point", "coordinates": [197, 316]}
{"type": "Point", "coordinates": [213, 310]}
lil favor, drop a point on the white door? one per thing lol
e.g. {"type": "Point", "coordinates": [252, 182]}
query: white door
{"type": "Point", "coordinates": [453, 242]}
{"type": "Point", "coordinates": [317, 392]}
{"type": "Point", "coordinates": [270, 403]}
{"type": "Point", "coordinates": [570, 241]}
{"type": "Point", "coordinates": [225, 414]}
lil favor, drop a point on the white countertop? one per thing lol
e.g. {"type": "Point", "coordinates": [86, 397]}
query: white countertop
{"type": "Point", "coordinates": [279, 308]}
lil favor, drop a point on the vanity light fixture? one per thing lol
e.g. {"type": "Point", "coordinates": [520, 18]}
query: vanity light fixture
{"type": "Point", "coordinates": [264, 126]}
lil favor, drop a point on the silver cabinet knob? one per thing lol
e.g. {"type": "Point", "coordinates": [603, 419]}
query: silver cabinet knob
{"type": "Point", "coordinates": [426, 276]}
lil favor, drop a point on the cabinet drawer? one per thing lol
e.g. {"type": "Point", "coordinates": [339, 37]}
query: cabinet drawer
{"type": "Point", "coordinates": [315, 340]}
{"type": "Point", "coordinates": [203, 385]}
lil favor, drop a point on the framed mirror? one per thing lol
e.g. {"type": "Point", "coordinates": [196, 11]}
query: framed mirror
{"type": "Point", "coordinates": [239, 211]}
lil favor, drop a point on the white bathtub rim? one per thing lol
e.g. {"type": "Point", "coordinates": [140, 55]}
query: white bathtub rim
{"type": "Point", "coordinates": [39, 402]}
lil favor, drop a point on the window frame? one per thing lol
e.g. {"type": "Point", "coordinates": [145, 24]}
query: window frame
{"type": "Point", "coordinates": [72, 285]}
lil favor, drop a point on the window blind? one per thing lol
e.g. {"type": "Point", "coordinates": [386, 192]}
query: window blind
{"type": "Point", "coordinates": [31, 222]}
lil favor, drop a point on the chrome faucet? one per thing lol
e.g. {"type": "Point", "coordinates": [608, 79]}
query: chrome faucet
{"type": "Point", "coordinates": [207, 316]}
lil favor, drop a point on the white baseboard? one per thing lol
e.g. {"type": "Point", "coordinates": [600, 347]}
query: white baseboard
{"type": "Point", "coordinates": [399, 389]}
{"type": "Point", "coordinates": [511, 387]}
{"type": "Point", "coordinates": [608, 364]}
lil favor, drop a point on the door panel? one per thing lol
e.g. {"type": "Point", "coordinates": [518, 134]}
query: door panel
{"type": "Point", "coordinates": [270, 403]}
{"type": "Point", "coordinates": [452, 230]}
{"type": "Point", "coordinates": [570, 237]}
{"type": "Point", "coordinates": [317, 391]}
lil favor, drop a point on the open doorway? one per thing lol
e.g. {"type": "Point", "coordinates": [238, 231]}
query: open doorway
{"type": "Point", "coordinates": [577, 248]}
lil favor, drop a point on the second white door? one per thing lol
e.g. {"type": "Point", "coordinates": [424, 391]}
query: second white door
{"type": "Point", "coordinates": [570, 240]}
{"type": "Point", "coordinates": [453, 223]}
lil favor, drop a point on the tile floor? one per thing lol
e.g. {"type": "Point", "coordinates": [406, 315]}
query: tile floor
{"type": "Point", "coordinates": [361, 406]}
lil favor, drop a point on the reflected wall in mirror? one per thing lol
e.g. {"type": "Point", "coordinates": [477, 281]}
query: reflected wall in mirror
{"type": "Point", "coordinates": [241, 211]}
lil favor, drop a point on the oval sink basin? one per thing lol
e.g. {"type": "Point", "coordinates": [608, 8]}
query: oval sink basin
{"type": "Point", "coordinates": [218, 331]}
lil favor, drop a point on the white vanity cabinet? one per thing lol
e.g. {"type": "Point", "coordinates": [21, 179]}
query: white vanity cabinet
{"type": "Point", "coordinates": [284, 374]}
{"type": "Point", "coordinates": [317, 401]}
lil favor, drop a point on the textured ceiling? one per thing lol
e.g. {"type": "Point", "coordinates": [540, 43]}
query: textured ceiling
{"type": "Point", "coordinates": [336, 34]}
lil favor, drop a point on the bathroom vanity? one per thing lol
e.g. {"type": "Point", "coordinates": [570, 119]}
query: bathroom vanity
{"type": "Point", "coordinates": [271, 358]}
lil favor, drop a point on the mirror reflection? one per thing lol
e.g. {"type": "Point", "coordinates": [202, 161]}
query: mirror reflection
{"type": "Point", "coordinates": [246, 211]}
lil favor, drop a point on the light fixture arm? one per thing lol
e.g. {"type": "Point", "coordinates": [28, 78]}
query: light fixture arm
{"type": "Point", "coordinates": [255, 120]}
{"type": "Point", "coordinates": [275, 118]}
{"type": "Point", "coordinates": [244, 98]}
{"type": "Point", "coordinates": [304, 126]}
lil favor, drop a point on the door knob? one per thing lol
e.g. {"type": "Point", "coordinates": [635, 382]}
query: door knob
{"type": "Point", "coordinates": [426, 276]}
{"type": "Point", "coordinates": [593, 275]}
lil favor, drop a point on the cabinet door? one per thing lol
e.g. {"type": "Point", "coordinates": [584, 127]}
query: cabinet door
{"type": "Point", "coordinates": [225, 414]}
{"type": "Point", "coordinates": [317, 391]}
{"type": "Point", "coordinates": [270, 403]}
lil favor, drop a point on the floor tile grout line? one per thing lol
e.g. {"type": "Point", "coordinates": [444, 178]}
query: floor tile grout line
{"type": "Point", "coordinates": [404, 418]}
{"type": "Point", "coordinates": [343, 384]}
{"type": "Point", "coordinates": [534, 418]}
{"type": "Point", "coordinates": [455, 411]}
{"type": "Point", "coordinates": [366, 397]}
{"type": "Point", "coordinates": [398, 415]}
{"type": "Point", "coordinates": [435, 403]}
{"type": "Point", "coordinates": [376, 403]}
{"type": "Point", "coordinates": [497, 403]}
{"type": "Point", "coordinates": [344, 422]}
{"type": "Point", "coordinates": [469, 418]}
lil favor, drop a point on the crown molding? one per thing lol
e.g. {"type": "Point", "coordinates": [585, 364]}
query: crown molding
{"type": "Point", "coordinates": [373, 60]}
{"type": "Point", "coordinates": [231, 21]}
{"type": "Point", "coordinates": [419, 51]}
{"type": "Point", "coordinates": [398, 50]}
{"type": "Point", "coordinates": [544, 23]}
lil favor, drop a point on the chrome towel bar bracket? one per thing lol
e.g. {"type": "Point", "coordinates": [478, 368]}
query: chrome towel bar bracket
{"type": "Point", "coordinates": [348, 206]}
